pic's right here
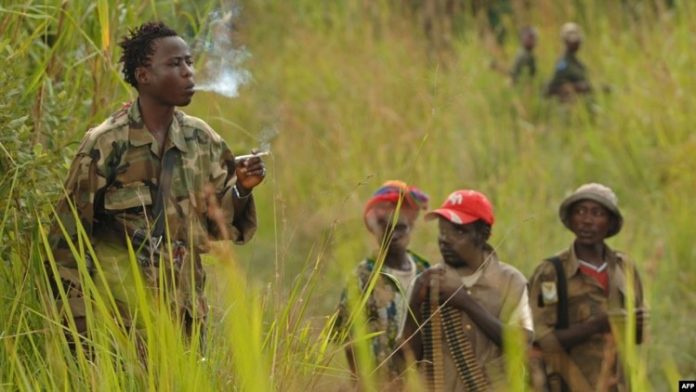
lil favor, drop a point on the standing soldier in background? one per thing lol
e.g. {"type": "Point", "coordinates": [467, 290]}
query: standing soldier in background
{"type": "Point", "coordinates": [570, 76]}
{"type": "Point", "coordinates": [525, 62]}
{"type": "Point", "coordinates": [575, 295]}
{"type": "Point", "coordinates": [158, 179]}
{"type": "Point", "coordinates": [386, 303]}
{"type": "Point", "coordinates": [477, 296]}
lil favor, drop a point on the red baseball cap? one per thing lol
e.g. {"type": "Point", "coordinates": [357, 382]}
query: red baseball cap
{"type": "Point", "coordinates": [464, 206]}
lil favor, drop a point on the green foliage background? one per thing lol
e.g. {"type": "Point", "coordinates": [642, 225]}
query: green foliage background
{"type": "Point", "coordinates": [358, 96]}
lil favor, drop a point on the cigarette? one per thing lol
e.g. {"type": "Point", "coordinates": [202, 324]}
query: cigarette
{"type": "Point", "coordinates": [243, 158]}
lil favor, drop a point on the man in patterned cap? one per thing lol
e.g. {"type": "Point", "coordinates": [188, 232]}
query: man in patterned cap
{"type": "Point", "coordinates": [477, 295]}
{"type": "Point", "coordinates": [389, 215]}
{"type": "Point", "coordinates": [575, 294]}
{"type": "Point", "coordinates": [570, 75]}
{"type": "Point", "coordinates": [155, 178]}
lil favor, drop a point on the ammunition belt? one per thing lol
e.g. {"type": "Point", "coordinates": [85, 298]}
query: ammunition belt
{"type": "Point", "coordinates": [463, 355]}
{"type": "Point", "coordinates": [462, 351]}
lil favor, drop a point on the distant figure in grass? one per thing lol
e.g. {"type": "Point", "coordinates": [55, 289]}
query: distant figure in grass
{"type": "Point", "coordinates": [525, 61]}
{"type": "Point", "coordinates": [158, 179]}
{"type": "Point", "coordinates": [460, 347]}
{"type": "Point", "coordinates": [570, 75]}
{"type": "Point", "coordinates": [579, 297]}
{"type": "Point", "coordinates": [390, 215]}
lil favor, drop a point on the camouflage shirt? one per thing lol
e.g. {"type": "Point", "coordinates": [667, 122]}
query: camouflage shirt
{"type": "Point", "coordinates": [569, 77]}
{"type": "Point", "coordinates": [523, 61]}
{"type": "Point", "coordinates": [586, 299]}
{"type": "Point", "coordinates": [113, 181]}
{"type": "Point", "coordinates": [385, 309]}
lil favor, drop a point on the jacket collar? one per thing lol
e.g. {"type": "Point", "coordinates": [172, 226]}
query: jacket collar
{"type": "Point", "coordinates": [139, 135]}
{"type": "Point", "coordinates": [571, 264]}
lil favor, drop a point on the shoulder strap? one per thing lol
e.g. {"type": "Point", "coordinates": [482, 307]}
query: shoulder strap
{"type": "Point", "coordinates": [165, 182]}
{"type": "Point", "coordinates": [571, 377]}
{"type": "Point", "coordinates": [562, 321]}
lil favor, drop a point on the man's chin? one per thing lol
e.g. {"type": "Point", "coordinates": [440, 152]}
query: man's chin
{"type": "Point", "coordinates": [454, 262]}
{"type": "Point", "coordinates": [395, 249]}
{"type": "Point", "coordinates": [184, 103]}
{"type": "Point", "coordinates": [588, 241]}
{"type": "Point", "coordinates": [185, 100]}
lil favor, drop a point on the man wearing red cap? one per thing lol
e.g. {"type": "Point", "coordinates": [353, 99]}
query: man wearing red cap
{"type": "Point", "coordinates": [576, 293]}
{"type": "Point", "coordinates": [478, 295]}
{"type": "Point", "coordinates": [389, 216]}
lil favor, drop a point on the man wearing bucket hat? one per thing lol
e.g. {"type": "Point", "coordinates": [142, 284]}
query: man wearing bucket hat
{"type": "Point", "coordinates": [579, 297]}
{"type": "Point", "coordinates": [477, 295]}
{"type": "Point", "coordinates": [570, 75]}
{"type": "Point", "coordinates": [389, 215]}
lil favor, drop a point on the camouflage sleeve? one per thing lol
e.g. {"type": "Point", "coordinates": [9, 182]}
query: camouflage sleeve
{"type": "Point", "coordinates": [74, 222]}
{"type": "Point", "coordinates": [543, 305]}
{"type": "Point", "coordinates": [239, 213]}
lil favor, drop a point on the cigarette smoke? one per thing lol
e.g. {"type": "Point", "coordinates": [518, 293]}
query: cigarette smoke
{"type": "Point", "coordinates": [223, 72]}
{"type": "Point", "coordinates": [266, 136]}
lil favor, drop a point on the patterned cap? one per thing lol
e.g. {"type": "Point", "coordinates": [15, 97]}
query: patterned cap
{"type": "Point", "coordinates": [464, 206]}
{"type": "Point", "coordinates": [412, 199]}
{"type": "Point", "coordinates": [599, 193]}
{"type": "Point", "coordinates": [571, 32]}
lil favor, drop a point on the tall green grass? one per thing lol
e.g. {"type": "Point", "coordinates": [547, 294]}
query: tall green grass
{"type": "Point", "coordinates": [357, 99]}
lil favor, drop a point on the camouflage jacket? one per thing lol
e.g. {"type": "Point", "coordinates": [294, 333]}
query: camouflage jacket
{"type": "Point", "coordinates": [386, 307]}
{"type": "Point", "coordinates": [113, 181]}
{"type": "Point", "coordinates": [570, 74]}
{"type": "Point", "coordinates": [524, 60]}
{"type": "Point", "coordinates": [586, 300]}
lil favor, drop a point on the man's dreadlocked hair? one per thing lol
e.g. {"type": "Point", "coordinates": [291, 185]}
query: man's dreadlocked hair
{"type": "Point", "coordinates": [137, 47]}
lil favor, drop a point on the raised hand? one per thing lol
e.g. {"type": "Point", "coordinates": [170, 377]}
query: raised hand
{"type": "Point", "coordinates": [250, 173]}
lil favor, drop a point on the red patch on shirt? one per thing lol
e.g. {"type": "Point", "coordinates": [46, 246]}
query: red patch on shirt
{"type": "Point", "coordinates": [601, 277]}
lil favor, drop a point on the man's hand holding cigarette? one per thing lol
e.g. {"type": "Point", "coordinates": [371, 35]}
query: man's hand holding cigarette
{"type": "Point", "coordinates": [250, 171]}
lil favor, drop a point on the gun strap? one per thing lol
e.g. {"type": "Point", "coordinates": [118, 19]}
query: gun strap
{"type": "Point", "coordinates": [163, 186]}
{"type": "Point", "coordinates": [562, 318]}
{"type": "Point", "coordinates": [564, 369]}
{"type": "Point", "coordinates": [563, 322]}
{"type": "Point", "coordinates": [141, 239]}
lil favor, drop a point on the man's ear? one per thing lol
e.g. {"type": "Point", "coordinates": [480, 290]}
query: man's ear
{"type": "Point", "coordinates": [613, 222]}
{"type": "Point", "coordinates": [482, 235]}
{"type": "Point", "coordinates": [142, 75]}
